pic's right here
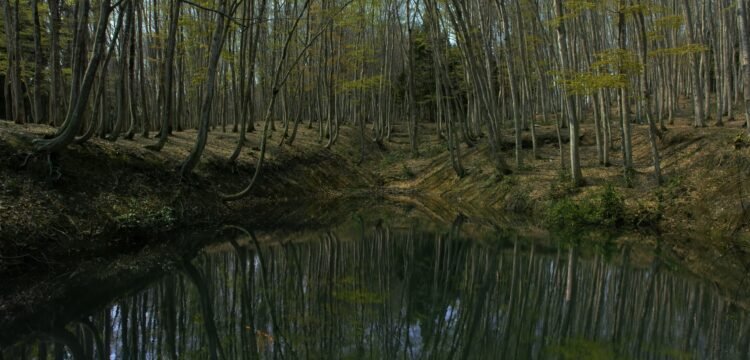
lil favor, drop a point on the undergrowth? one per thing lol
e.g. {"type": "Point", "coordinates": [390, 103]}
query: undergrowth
{"type": "Point", "coordinates": [604, 208]}
{"type": "Point", "coordinates": [145, 217]}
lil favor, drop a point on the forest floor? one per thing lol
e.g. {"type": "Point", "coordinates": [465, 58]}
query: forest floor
{"type": "Point", "coordinates": [117, 198]}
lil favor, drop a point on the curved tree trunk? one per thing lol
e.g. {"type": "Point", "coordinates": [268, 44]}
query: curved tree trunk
{"type": "Point", "coordinates": [217, 42]}
{"type": "Point", "coordinates": [75, 113]}
{"type": "Point", "coordinates": [278, 80]}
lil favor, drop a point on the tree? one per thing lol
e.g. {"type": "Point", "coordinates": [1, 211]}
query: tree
{"type": "Point", "coordinates": [742, 21]}
{"type": "Point", "coordinates": [14, 61]}
{"type": "Point", "coordinates": [217, 42]}
{"type": "Point", "coordinates": [653, 132]}
{"type": "Point", "coordinates": [74, 115]}
{"type": "Point", "coordinates": [167, 81]}
{"type": "Point", "coordinates": [696, 90]}
{"type": "Point", "coordinates": [562, 47]}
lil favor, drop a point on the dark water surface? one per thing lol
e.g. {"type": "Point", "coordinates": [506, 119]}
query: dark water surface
{"type": "Point", "coordinates": [371, 289]}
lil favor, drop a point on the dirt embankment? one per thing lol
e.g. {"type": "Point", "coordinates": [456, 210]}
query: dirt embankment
{"type": "Point", "coordinates": [114, 197]}
{"type": "Point", "coordinates": [700, 214]}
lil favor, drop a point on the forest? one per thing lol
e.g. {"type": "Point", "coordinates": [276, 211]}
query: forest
{"type": "Point", "coordinates": [475, 70]}
{"type": "Point", "coordinates": [143, 143]}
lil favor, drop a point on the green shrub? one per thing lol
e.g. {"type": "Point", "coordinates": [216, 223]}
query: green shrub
{"type": "Point", "coordinates": [518, 201]}
{"type": "Point", "coordinates": [407, 172]}
{"type": "Point", "coordinates": [563, 188]}
{"type": "Point", "coordinates": [608, 208]}
{"type": "Point", "coordinates": [152, 218]}
{"type": "Point", "coordinates": [605, 208]}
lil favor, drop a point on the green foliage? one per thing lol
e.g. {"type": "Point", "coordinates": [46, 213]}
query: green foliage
{"type": "Point", "coordinates": [618, 60]}
{"type": "Point", "coordinates": [518, 201]}
{"type": "Point", "coordinates": [610, 70]}
{"type": "Point", "coordinates": [392, 157]}
{"type": "Point", "coordinates": [679, 50]}
{"type": "Point", "coordinates": [432, 150]}
{"type": "Point", "coordinates": [573, 8]}
{"type": "Point", "coordinates": [741, 141]}
{"type": "Point", "coordinates": [585, 83]}
{"type": "Point", "coordinates": [577, 6]}
{"type": "Point", "coordinates": [407, 172]}
{"type": "Point", "coordinates": [605, 208]}
{"type": "Point", "coordinates": [670, 22]}
{"type": "Point", "coordinates": [138, 217]}
{"type": "Point", "coordinates": [562, 188]}
{"type": "Point", "coordinates": [645, 216]}
{"type": "Point", "coordinates": [584, 349]}
{"type": "Point", "coordinates": [26, 39]}
{"type": "Point", "coordinates": [348, 291]}
{"type": "Point", "coordinates": [365, 83]}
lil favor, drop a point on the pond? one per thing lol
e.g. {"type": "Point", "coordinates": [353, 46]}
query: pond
{"type": "Point", "coordinates": [380, 288]}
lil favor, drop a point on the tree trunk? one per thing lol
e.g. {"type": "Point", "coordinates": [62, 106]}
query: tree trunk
{"type": "Point", "coordinates": [653, 132]}
{"type": "Point", "coordinates": [14, 62]}
{"type": "Point", "coordinates": [168, 74]}
{"type": "Point", "coordinates": [742, 21]}
{"type": "Point", "coordinates": [39, 113]}
{"type": "Point", "coordinates": [562, 43]}
{"type": "Point", "coordinates": [75, 113]}
{"type": "Point", "coordinates": [697, 89]}
{"type": "Point", "coordinates": [217, 42]}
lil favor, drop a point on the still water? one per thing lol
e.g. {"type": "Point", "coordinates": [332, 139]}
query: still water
{"type": "Point", "coordinates": [371, 289]}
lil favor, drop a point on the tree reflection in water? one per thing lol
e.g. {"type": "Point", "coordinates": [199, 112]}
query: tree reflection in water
{"type": "Point", "coordinates": [382, 292]}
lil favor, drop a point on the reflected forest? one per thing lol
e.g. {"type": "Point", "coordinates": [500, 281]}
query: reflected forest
{"type": "Point", "coordinates": [377, 291]}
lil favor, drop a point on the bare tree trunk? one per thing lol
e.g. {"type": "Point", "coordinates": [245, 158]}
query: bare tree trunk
{"type": "Point", "coordinates": [54, 59]}
{"type": "Point", "coordinates": [14, 62]}
{"type": "Point", "coordinates": [697, 90]}
{"type": "Point", "coordinates": [412, 68]}
{"type": "Point", "coordinates": [653, 132]}
{"type": "Point", "coordinates": [217, 42]}
{"type": "Point", "coordinates": [627, 145]}
{"type": "Point", "coordinates": [562, 43]}
{"type": "Point", "coordinates": [168, 75]}
{"type": "Point", "coordinates": [39, 113]}
{"type": "Point", "coordinates": [742, 21]}
{"type": "Point", "coordinates": [75, 113]}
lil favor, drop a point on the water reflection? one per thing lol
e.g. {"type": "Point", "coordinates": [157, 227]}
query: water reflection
{"type": "Point", "coordinates": [375, 291]}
